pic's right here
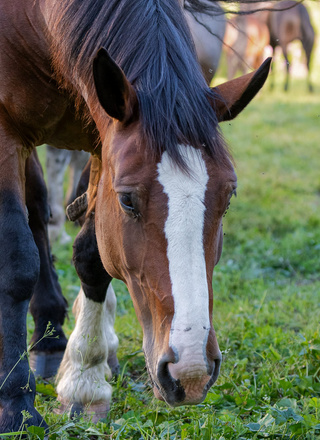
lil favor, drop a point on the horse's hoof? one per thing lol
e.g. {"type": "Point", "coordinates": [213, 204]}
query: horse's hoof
{"type": "Point", "coordinates": [11, 417]}
{"type": "Point", "coordinates": [94, 411]}
{"type": "Point", "coordinates": [115, 370]}
{"type": "Point", "coordinates": [114, 365]}
{"type": "Point", "coordinates": [45, 364]}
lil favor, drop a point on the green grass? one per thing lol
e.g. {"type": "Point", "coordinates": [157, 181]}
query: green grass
{"type": "Point", "coordinates": [267, 295]}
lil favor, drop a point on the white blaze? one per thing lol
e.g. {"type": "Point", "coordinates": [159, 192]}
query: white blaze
{"type": "Point", "coordinates": [185, 251]}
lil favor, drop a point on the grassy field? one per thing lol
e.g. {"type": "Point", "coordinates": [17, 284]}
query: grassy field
{"type": "Point", "coordinates": [267, 295]}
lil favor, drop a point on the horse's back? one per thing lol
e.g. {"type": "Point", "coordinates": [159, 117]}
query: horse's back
{"type": "Point", "coordinates": [24, 64]}
{"type": "Point", "coordinates": [289, 21]}
{"type": "Point", "coordinates": [32, 105]}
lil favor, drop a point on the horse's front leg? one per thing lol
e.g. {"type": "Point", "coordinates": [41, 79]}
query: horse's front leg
{"type": "Point", "coordinates": [82, 385]}
{"type": "Point", "coordinates": [47, 303]}
{"type": "Point", "coordinates": [20, 267]}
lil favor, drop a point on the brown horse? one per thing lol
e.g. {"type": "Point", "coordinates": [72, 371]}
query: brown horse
{"type": "Point", "coordinates": [288, 25]}
{"type": "Point", "coordinates": [287, 21]}
{"type": "Point", "coordinates": [245, 40]}
{"type": "Point", "coordinates": [208, 33]}
{"type": "Point", "coordinates": [160, 181]}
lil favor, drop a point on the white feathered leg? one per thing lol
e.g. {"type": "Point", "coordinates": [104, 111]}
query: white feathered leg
{"type": "Point", "coordinates": [82, 384]}
{"type": "Point", "coordinates": [112, 338]}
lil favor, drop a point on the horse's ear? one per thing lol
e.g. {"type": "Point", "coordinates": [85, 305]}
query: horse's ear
{"type": "Point", "coordinates": [115, 93]}
{"type": "Point", "coordinates": [235, 95]}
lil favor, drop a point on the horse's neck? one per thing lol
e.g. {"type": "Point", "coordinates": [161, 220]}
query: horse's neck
{"type": "Point", "coordinates": [26, 29]}
{"type": "Point", "coordinates": [69, 79]}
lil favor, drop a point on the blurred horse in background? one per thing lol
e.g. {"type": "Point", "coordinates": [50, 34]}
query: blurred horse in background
{"type": "Point", "coordinates": [245, 41]}
{"type": "Point", "coordinates": [57, 162]}
{"type": "Point", "coordinates": [287, 21]}
{"type": "Point", "coordinates": [286, 25]}
{"type": "Point", "coordinates": [208, 32]}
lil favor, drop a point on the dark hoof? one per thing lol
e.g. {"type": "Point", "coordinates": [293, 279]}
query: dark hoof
{"type": "Point", "coordinates": [94, 411]}
{"type": "Point", "coordinates": [114, 365]}
{"type": "Point", "coordinates": [11, 419]}
{"type": "Point", "coordinates": [45, 364]}
{"type": "Point", "coordinates": [76, 410]}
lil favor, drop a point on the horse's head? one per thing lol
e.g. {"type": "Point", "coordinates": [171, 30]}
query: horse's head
{"type": "Point", "coordinates": [159, 229]}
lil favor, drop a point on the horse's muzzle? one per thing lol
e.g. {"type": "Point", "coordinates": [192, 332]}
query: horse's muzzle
{"type": "Point", "coordinates": [183, 384]}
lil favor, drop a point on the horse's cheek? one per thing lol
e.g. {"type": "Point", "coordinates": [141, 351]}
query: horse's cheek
{"type": "Point", "coordinates": [106, 232]}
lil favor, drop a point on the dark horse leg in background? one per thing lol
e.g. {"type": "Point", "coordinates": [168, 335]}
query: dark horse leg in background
{"type": "Point", "coordinates": [47, 303]}
{"type": "Point", "coordinates": [285, 54]}
{"type": "Point", "coordinates": [307, 43]}
{"type": "Point", "coordinates": [274, 42]}
{"type": "Point", "coordinates": [307, 46]}
{"type": "Point", "coordinates": [286, 26]}
{"type": "Point", "coordinates": [307, 38]}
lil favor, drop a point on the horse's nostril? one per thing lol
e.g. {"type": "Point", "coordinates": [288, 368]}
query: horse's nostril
{"type": "Point", "coordinates": [173, 391]}
{"type": "Point", "coordinates": [163, 370]}
{"type": "Point", "coordinates": [214, 373]}
{"type": "Point", "coordinates": [217, 363]}
{"type": "Point", "coordinates": [164, 375]}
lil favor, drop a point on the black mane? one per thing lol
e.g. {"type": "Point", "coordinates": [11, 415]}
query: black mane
{"type": "Point", "coordinates": [150, 41]}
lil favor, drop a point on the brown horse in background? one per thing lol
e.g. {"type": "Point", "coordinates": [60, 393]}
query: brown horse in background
{"type": "Point", "coordinates": [287, 21]}
{"type": "Point", "coordinates": [245, 41]}
{"type": "Point", "coordinates": [286, 25]}
{"type": "Point", "coordinates": [57, 162]}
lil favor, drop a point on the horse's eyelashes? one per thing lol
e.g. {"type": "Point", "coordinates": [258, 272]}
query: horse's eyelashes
{"type": "Point", "coordinates": [233, 193]}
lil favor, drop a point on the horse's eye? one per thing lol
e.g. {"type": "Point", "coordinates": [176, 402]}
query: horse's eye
{"type": "Point", "coordinates": [126, 201]}
{"type": "Point", "coordinates": [126, 204]}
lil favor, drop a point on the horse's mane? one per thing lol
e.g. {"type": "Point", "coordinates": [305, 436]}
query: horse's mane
{"type": "Point", "coordinates": [150, 41]}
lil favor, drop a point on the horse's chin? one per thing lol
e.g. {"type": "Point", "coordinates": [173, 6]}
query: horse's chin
{"type": "Point", "coordinates": [174, 403]}
{"type": "Point", "coordinates": [157, 394]}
